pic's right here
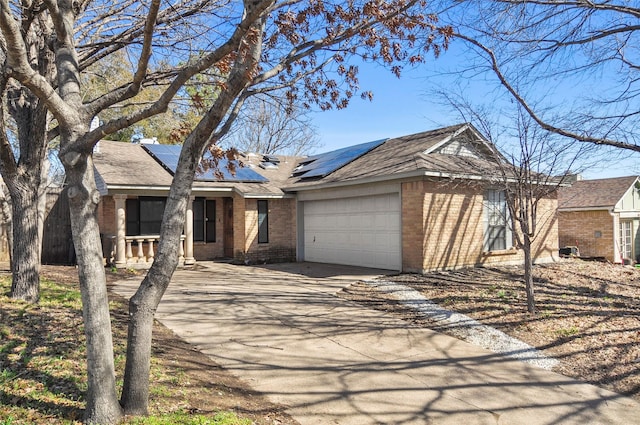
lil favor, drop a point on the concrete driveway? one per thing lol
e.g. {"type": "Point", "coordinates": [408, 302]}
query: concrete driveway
{"type": "Point", "coordinates": [282, 329]}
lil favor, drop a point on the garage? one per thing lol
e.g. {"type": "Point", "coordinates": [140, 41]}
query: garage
{"type": "Point", "coordinates": [360, 231]}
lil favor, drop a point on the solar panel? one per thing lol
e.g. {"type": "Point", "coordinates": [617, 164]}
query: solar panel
{"type": "Point", "coordinates": [326, 163]}
{"type": "Point", "coordinates": [168, 155]}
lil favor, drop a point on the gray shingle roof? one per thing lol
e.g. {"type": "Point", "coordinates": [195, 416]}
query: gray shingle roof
{"type": "Point", "coordinates": [404, 155]}
{"type": "Point", "coordinates": [127, 164]}
{"type": "Point", "coordinates": [601, 193]}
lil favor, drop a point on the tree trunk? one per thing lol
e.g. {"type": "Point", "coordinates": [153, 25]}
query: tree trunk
{"type": "Point", "coordinates": [42, 205]}
{"type": "Point", "coordinates": [102, 400]}
{"type": "Point", "coordinates": [143, 305]}
{"type": "Point", "coordinates": [528, 274]}
{"type": "Point", "coordinates": [24, 180]}
{"type": "Point", "coordinates": [26, 244]}
{"type": "Point", "coordinates": [7, 218]}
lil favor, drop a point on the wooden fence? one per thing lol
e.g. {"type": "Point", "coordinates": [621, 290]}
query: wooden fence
{"type": "Point", "coordinates": [57, 244]}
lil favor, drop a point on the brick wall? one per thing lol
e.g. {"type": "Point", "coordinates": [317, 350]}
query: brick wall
{"type": "Point", "coordinates": [578, 228]}
{"type": "Point", "coordinates": [442, 228]}
{"type": "Point", "coordinates": [282, 232]}
{"type": "Point", "coordinates": [212, 250]}
{"type": "Point", "coordinates": [239, 227]}
{"type": "Point", "coordinates": [546, 240]}
{"type": "Point", "coordinates": [107, 215]}
{"type": "Point", "coordinates": [412, 226]}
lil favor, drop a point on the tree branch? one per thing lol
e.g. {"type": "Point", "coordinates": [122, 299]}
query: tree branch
{"type": "Point", "coordinates": [542, 123]}
{"type": "Point", "coordinates": [18, 67]}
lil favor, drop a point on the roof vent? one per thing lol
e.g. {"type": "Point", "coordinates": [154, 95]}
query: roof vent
{"type": "Point", "coordinates": [268, 165]}
{"type": "Point", "coordinates": [271, 158]}
{"type": "Point", "coordinates": [270, 162]}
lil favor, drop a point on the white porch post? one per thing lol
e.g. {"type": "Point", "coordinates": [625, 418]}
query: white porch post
{"type": "Point", "coordinates": [121, 228]}
{"type": "Point", "coordinates": [617, 240]}
{"type": "Point", "coordinates": [188, 233]}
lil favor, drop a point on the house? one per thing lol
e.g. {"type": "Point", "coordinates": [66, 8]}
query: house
{"type": "Point", "coordinates": [247, 216]}
{"type": "Point", "coordinates": [414, 203]}
{"type": "Point", "coordinates": [602, 218]}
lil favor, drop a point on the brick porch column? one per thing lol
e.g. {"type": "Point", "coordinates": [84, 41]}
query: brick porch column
{"type": "Point", "coordinates": [188, 234]}
{"type": "Point", "coordinates": [121, 230]}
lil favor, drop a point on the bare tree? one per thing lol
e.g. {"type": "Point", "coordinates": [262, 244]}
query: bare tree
{"type": "Point", "coordinates": [530, 168]}
{"type": "Point", "coordinates": [266, 126]}
{"type": "Point", "coordinates": [263, 46]}
{"type": "Point", "coordinates": [571, 65]}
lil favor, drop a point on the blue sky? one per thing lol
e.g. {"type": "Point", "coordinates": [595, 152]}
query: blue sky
{"type": "Point", "coordinates": [403, 106]}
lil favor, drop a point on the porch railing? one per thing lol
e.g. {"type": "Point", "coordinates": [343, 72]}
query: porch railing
{"type": "Point", "coordinates": [139, 250]}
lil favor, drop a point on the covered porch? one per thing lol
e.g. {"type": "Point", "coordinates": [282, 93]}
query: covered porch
{"type": "Point", "coordinates": [131, 228]}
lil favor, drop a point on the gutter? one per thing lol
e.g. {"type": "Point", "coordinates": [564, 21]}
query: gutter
{"type": "Point", "coordinates": [391, 177]}
{"type": "Point", "coordinates": [224, 190]}
{"type": "Point", "coordinates": [578, 209]}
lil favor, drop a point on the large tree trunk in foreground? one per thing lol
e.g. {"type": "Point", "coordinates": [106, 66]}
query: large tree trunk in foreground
{"type": "Point", "coordinates": [102, 401]}
{"type": "Point", "coordinates": [143, 305]}
{"type": "Point", "coordinates": [24, 182]}
{"type": "Point", "coordinates": [26, 244]}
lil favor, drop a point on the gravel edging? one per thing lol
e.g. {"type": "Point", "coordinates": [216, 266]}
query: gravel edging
{"type": "Point", "coordinates": [464, 327]}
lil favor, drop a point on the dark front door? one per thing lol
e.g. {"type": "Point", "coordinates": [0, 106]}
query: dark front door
{"type": "Point", "coordinates": [228, 227]}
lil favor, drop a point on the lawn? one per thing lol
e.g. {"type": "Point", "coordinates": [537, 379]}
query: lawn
{"type": "Point", "coordinates": [43, 376]}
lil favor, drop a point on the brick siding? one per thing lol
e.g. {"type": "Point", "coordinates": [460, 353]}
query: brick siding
{"type": "Point", "coordinates": [282, 232]}
{"type": "Point", "coordinates": [442, 228]}
{"type": "Point", "coordinates": [107, 215]}
{"type": "Point", "coordinates": [578, 228]}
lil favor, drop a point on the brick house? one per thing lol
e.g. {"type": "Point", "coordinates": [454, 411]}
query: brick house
{"type": "Point", "coordinates": [247, 216]}
{"type": "Point", "coordinates": [602, 218]}
{"type": "Point", "coordinates": [414, 203]}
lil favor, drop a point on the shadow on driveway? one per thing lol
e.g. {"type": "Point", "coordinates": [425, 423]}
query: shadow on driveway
{"type": "Point", "coordinates": [281, 328]}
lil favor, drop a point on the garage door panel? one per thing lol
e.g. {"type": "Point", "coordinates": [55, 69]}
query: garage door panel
{"type": "Point", "coordinates": [361, 231]}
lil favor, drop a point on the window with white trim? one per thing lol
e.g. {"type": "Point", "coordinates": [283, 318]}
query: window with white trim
{"type": "Point", "coordinates": [497, 235]}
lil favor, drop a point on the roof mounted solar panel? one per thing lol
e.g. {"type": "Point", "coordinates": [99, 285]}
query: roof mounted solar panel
{"type": "Point", "coordinates": [168, 155]}
{"type": "Point", "coordinates": [324, 164]}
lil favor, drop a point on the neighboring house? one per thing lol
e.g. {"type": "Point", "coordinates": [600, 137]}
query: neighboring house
{"type": "Point", "coordinates": [602, 218]}
{"type": "Point", "coordinates": [414, 203]}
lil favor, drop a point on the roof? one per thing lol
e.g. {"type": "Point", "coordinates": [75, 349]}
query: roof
{"type": "Point", "coordinates": [597, 194]}
{"type": "Point", "coordinates": [454, 151]}
{"type": "Point", "coordinates": [408, 154]}
{"type": "Point", "coordinates": [129, 166]}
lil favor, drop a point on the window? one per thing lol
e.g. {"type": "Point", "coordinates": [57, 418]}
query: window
{"type": "Point", "coordinates": [626, 239]}
{"type": "Point", "coordinates": [144, 215]}
{"type": "Point", "coordinates": [204, 220]}
{"type": "Point", "coordinates": [497, 231]}
{"type": "Point", "coordinates": [263, 222]}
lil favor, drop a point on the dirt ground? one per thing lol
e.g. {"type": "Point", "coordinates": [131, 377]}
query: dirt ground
{"type": "Point", "coordinates": [205, 387]}
{"type": "Point", "coordinates": [588, 313]}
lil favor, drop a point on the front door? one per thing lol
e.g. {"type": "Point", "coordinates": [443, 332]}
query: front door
{"type": "Point", "coordinates": [228, 227]}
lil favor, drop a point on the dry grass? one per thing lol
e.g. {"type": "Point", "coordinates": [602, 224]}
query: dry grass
{"type": "Point", "coordinates": [43, 376]}
{"type": "Point", "coordinates": [588, 313]}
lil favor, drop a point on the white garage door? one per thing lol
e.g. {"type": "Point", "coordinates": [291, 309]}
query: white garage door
{"type": "Point", "coordinates": [362, 231]}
